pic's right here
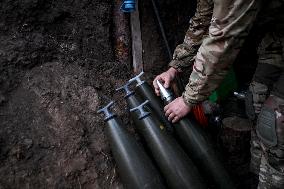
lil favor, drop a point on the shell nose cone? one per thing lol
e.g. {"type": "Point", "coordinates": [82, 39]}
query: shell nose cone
{"type": "Point", "coordinates": [165, 93]}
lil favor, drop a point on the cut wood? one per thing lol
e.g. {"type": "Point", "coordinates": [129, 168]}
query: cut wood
{"type": "Point", "coordinates": [137, 49]}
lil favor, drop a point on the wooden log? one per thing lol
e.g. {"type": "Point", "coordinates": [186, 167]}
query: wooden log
{"type": "Point", "coordinates": [235, 142]}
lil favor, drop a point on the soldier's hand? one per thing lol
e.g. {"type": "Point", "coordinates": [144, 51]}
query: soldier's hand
{"type": "Point", "coordinates": [176, 110]}
{"type": "Point", "coordinates": [166, 78]}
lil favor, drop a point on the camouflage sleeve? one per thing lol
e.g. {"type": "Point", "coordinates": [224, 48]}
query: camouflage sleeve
{"type": "Point", "coordinates": [184, 53]}
{"type": "Point", "coordinates": [230, 24]}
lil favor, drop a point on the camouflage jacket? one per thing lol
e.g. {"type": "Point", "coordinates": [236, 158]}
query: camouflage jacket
{"type": "Point", "coordinates": [230, 24]}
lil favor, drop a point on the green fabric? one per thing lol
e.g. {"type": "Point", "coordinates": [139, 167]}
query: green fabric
{"type": "Point", "coordinates": [228, 86]}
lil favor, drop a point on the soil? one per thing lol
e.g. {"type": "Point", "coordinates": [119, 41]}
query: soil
{"type": "Point", "coordinates": [57, 68]}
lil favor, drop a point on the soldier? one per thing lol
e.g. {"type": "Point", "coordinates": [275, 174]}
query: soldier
{"type": "Point", "coordinates": [231, 21]}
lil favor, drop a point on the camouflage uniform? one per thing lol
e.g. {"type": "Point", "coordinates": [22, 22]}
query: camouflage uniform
{"type": "Point", "coordinates": [230, 24]}
{"type": "Point", "coordinates": [268, 101]}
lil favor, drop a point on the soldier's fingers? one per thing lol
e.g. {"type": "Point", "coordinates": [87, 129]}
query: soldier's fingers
{"type": "Point", "coordinates": [166, 108]}
{"type": "Point", "coordinates": [171, 116]}
{"type": "Point", "coordinates": [156, 87]}
{"type": "Point", "coordinates": [176, 119]}
{"type": "Point", "coordinates": [157, 92]}
{"type": "Point", "coordinates": [155, 83]}
{"type": "Point", "coordinates": [167, 82]}
{"type": "Point", "coordinates": [168, 112]}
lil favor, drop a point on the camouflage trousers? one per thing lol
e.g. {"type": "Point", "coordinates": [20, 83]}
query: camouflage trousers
{"type": "Point", "coordinates": [271, 176]}
{"type": "Point", "coordinates": [267, 139]}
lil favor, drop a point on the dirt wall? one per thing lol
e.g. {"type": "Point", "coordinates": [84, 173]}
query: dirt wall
{"type": "Point", "coordinates": [56, 70]}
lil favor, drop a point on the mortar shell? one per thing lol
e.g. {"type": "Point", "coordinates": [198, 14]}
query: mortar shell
{"type": "Point", "coordinates": [178, 170]}
{"type": "Point", "coordinates": [199, 148]}
{"type": "Point", "coordinates": [147, 93]}
{"type": "Point", "coordinates": [135, 167]}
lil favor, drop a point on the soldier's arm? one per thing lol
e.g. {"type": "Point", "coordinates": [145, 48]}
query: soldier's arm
{"type": "Point", "coordinates": [198, 28]}
{"type": "Point", "coordinates": [230, 24]}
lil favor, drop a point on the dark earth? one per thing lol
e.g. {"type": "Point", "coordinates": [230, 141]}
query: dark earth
{"type": "Point", "coordinates": [57, 68]}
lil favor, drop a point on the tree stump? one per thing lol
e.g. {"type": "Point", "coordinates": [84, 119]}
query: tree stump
{"type": "Point", "coordinates": [235, 142]}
